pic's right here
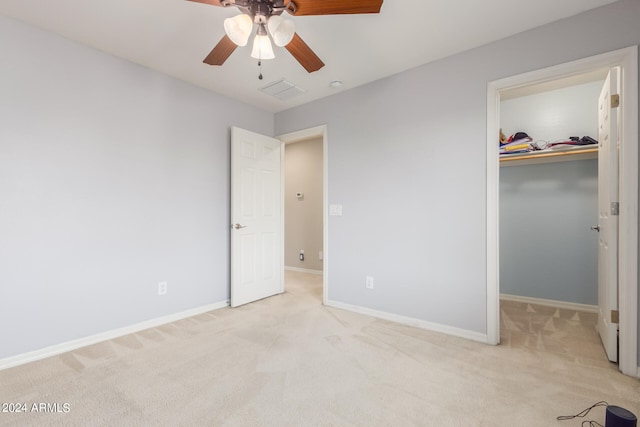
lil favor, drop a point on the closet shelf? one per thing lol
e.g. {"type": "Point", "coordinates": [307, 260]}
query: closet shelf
{"type": "Point", "coordinates": [550, 156]}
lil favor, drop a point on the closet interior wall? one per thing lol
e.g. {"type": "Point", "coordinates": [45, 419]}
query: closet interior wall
{"type": "Point", "coordinates": [547, 249]}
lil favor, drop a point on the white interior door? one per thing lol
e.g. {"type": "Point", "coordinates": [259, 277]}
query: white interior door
{"type": "Point", "coordinates": [608, 139]}
{"type": "Point", "coordinates": [256, 229]}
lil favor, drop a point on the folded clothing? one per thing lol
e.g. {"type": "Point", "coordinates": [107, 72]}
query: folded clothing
{"type": "Point", "coordinates": [521, 145]}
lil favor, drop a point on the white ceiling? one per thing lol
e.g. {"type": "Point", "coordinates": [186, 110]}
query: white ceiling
{"type": "Point", "coordinates": [174, 36]}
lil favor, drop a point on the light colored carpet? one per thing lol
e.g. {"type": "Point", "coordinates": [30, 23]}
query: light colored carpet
{"type": "Point", "coordinates": [565, 333]}
{"type": "Point", "coordinates": [289, 361]}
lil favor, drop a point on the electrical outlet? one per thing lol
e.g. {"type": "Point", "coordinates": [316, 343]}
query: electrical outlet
{"type": "Point", "coordinates": [369, 282]}
{"type": "Point", "coordinates": [301, 255]}
{"type": "Point", "coordinates": [320, 256]}
{"type": "Point", "coordinates": [162, 288]}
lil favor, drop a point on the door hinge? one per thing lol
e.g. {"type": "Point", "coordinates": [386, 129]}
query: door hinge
{"type": "Point", "coordinates": [615, 208]}
{"type": "Point", "coordinates": [615, 316]}
{"type": "Point", "coordinates": [615, 101]}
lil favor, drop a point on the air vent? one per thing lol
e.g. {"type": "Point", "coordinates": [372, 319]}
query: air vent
{"type": "Point", "coordinates": [283, 90]}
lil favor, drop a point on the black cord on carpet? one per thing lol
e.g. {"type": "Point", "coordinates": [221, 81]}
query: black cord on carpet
{"type": "Point", "coordinates": [583, 413]}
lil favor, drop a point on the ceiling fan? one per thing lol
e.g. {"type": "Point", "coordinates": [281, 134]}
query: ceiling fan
{"type": "Point", "coordinates": [266, 15]}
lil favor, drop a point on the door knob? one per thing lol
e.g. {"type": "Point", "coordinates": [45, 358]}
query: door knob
{"type": "Point", "coordinates": [596, 228]}
{"type": "Point", "coordinates": [238, 226]}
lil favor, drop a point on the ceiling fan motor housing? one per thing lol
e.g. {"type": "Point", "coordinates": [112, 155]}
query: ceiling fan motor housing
{"type": "Point", "coordinates": [264, 8]}
{"type": "Point", "coordinates": [260, 10]}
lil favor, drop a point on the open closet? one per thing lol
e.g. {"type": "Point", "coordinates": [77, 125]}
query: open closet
{"type": "Point", "coordinates": [615, 218]}
{"type": "Point", "coordinates": [548, 204]}
{"type": "Point", "coordinates": [549, 198]}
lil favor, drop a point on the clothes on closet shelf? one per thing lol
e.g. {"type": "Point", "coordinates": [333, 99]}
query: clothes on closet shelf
{"type": "Point", "coordinates": [521, 142]}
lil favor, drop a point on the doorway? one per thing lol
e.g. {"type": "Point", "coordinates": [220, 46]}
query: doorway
{"type": "Point", "coordinates": [628, 249]}
{"type": "Point", "coordinates": [257, 212]}
{"type": "Point", "coordinates": [305, 203]}
{"type": "Point", "coordinates": [303, 251]}
{"type": "Point", "coordinates": [548, 202]}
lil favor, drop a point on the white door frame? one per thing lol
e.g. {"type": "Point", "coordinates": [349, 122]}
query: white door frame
{"type": "Point", "coordinates": [627, 59]}
{"type": "Point", "coordinates": [289, 138]}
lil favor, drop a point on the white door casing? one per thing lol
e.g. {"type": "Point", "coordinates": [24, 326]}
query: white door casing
{"type": "Point", "coordinates": [256, 217]}
{"type": "Point", "coordinates": [608, 144]}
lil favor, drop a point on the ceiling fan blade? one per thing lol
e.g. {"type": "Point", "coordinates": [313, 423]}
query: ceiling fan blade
{"type": "Point", "coordinates": [303, 54]}
{"type": "Point", "coordinates": [211, 2]}
{"type": "Point", "coordinates": [221, 52]}
{"type": "Point", "coordinates": [335, 7]}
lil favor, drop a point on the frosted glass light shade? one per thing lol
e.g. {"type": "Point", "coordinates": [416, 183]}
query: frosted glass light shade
{"type": "Point", "coordinates": [282, 30]}
{"type": "Point", "coordinates": [238, 29]}
{"type": "Point", "coordinates": [262, 48]}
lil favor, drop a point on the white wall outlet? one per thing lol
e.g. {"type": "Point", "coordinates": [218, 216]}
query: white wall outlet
{"type": "Point", "coordinates": [301, 255]}
{"type": "Point", "coordinates": [369, 282]}
{"type": "Point", "coordinates": [162, 288]}
{"type": "Point", "coordinates": [320, 256]}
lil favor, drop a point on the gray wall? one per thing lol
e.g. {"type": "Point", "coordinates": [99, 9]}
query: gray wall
{"type": "Point", "coordinates": [407, 159]}
{"type": "Point", "coordinates": [547, 249]}
{"type": "Point", "coordinates": [303, 216]}
{"type": "Point", "coordinates": [112, 178]}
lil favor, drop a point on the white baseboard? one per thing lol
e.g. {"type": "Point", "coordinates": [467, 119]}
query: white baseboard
{"type": "Point", "coordinates": [551, 303]}
{"type": "Point", "coordinates": [303, 270]}
{"type": "Point", "coordinates": [54, 350]}
{"type": "Point", "coordinates": [410, 321]}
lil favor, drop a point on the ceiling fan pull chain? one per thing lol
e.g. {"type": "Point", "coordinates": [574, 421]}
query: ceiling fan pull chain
{"type": "Point", "coordinates": [260, 67]}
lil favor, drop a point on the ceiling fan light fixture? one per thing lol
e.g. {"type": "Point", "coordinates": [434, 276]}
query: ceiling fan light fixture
{"type": "Point", "coordinates": [238, 29]}
{"type": "Point", "coordinates": [282, 30]}
{"type": "Point", "coordinates": [262, 48]}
